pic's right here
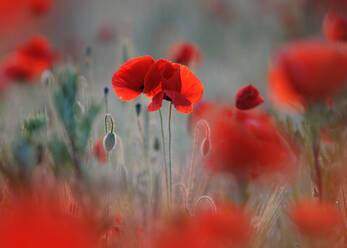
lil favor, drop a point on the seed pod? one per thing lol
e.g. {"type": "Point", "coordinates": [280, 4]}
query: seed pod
{"type": "Point", "coordinates": [110, 140]}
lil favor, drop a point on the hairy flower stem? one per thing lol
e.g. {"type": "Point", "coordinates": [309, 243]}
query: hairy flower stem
{"type": "Point", "coordinates": [164, 153]}
{"type": "Point", "coordinates": [316, 149]}
{"type": "Point", "coordinates": [170, 164]}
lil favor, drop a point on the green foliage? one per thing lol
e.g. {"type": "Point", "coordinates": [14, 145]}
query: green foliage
{"type": "Point", "coordinates": [76, 121]}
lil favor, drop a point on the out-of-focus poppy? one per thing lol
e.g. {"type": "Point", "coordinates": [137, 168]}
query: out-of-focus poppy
{"type": "Point", "coordinates": [27, 224]}
{"type": "Point", "coordinates": [99, 151]}
{"type": "Point", "coordinates": [176, 84]}
{"type": "Point", "coordinates": [129, 80]}
{"type": "Point", "coordinates": [248, 97]}
{"type": "Point", "coordinates": [317, 219]}
{"type": "Point", "coordinates": [335, 27]}
{"type": "Point", "coordinates": [18, 69]}
{"type": "Point", "coordinates": [306, 71]}
{"type": "Point", "coordinates": [160, 80]}
{"type": "Point", "coordinates": [247, 145]}
{"type": "Point", "coordinates": [228, 227]}
{"type": "Point", "coordinates": [185, 53]}
{"type": "Point", "coordinates": [106, 33]}
{"type": "Point", "coordinates": [29, 60]}
{"type": "Point", "coordinates": [38, 48]}
{"type": "Point", "coordinates": [40, 7]}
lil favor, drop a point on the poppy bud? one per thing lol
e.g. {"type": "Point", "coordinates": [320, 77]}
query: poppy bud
{"type": "Point", "coordinates": [106, 90]}
{"type": "Point", "coordinates": [248, 97]}
{"type": "Point", "coordinates": [89, 51]}
{"type": "Point", "coordinates": [109, 141]}
{"type": "Point", "coordinates": [156, 144]}
{"type": "Point", "coordinates": [138, 109]}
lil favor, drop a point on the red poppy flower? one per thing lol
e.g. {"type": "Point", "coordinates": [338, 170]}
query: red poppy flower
{"type": "Point", "coordinates": [18, 70]}
{"type": "Point", "coordinates": [228, 227]}
{"type": "Point", "coordinates": [307, 71]}
{"type": "Point", "coordinates": [159, 80]}
{"type": "Point", "coordinates": [247, 144]}
{"type": "Point", "coordinates": [40, 7]}
{"type": "Point", "coordinates": [317, 220]}
{"type": "Point", "coordinates": [129, 80]}
{"type": "Point", "coordinates": [335, 27]}
{"type": "Point", "coordinates": [99, 151]}
{"type": "Point", "coordinates": [27, 224]}
{"type": "Point", "coordinates": [185, 53]}
{"type": "Point", "coordinates": [248, 97]}
{"type": "Point", "coordinates": [38, 48]}
{"type": "Point", "coordinates": [175, 83]}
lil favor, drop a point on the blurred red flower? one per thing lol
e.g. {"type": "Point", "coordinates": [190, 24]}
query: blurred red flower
{"type": "Point", "coordinates": [248, 97]}
{"type": "Point", "coordinates": [176, 83]}
{"type": "Point", "coordinates": [29, 60]}
{"type": "Point", "coordinates": [40, 7]}
{"type": "Point", "coordinates": [335, 27]}
{"type": "Point", "coordinates": [106, 33]}
{"type": "Point", "coordinates": [247, 144]}
{"type": "Point", "coordinates": [27, 224]}
{"type": "Point", "coordinates": [38, 48]}
{"type": "Point", "coordinates": [18, 69]}
{"type": "Point", "coordinates": [158, 80]}
{"type": "Point", "coordinates": [185, 53]}
{"type": "Point", "coordinates": [316, 219]}
{"type": "Point", "coordinates": [306, 71]}
{"type": "Point", "coordinates": [99, 151]}
{"type": "Point", "coordinates": [228, 227]}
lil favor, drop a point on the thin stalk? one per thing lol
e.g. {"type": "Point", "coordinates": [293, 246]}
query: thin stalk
{"type": "Point", "coordinates": [316, 148]}
{"type": "Point", "coordinates": [164, 152]}
{"type": "Point", "coordinates": [170, 164]}
{"type": "Point", "coordinates": [192, 164]}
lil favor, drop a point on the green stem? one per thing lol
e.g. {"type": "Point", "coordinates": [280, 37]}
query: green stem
{"type": "Point", "coordinates": [170, 165]}
{"type": "Point", "coordinates": [164, 152]}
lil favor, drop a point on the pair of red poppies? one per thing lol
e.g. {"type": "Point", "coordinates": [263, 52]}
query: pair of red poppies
{"type": "Point", "coordinates": [159, 80]}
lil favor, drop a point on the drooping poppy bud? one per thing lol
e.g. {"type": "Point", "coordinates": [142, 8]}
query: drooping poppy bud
{"type": "Point", "coordinates": [248, 97]}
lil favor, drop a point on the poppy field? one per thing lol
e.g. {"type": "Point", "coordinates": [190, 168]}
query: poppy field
{"type": "Point", "coordinates": [173, 123]}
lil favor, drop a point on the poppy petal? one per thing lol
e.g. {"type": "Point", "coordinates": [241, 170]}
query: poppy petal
{"type": "Point", "coordinates": [128, 80]}
{"type": "Point", "coordinates": [171, 78]}
{"type": "Point", "coordinates": [181, 103]}
{"type": "Point", "coordinates": [153, 78]}
{"type": "Point", "coordinates": [156, 103]}
{"type": "Point", "coordinates": [191, 87]}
